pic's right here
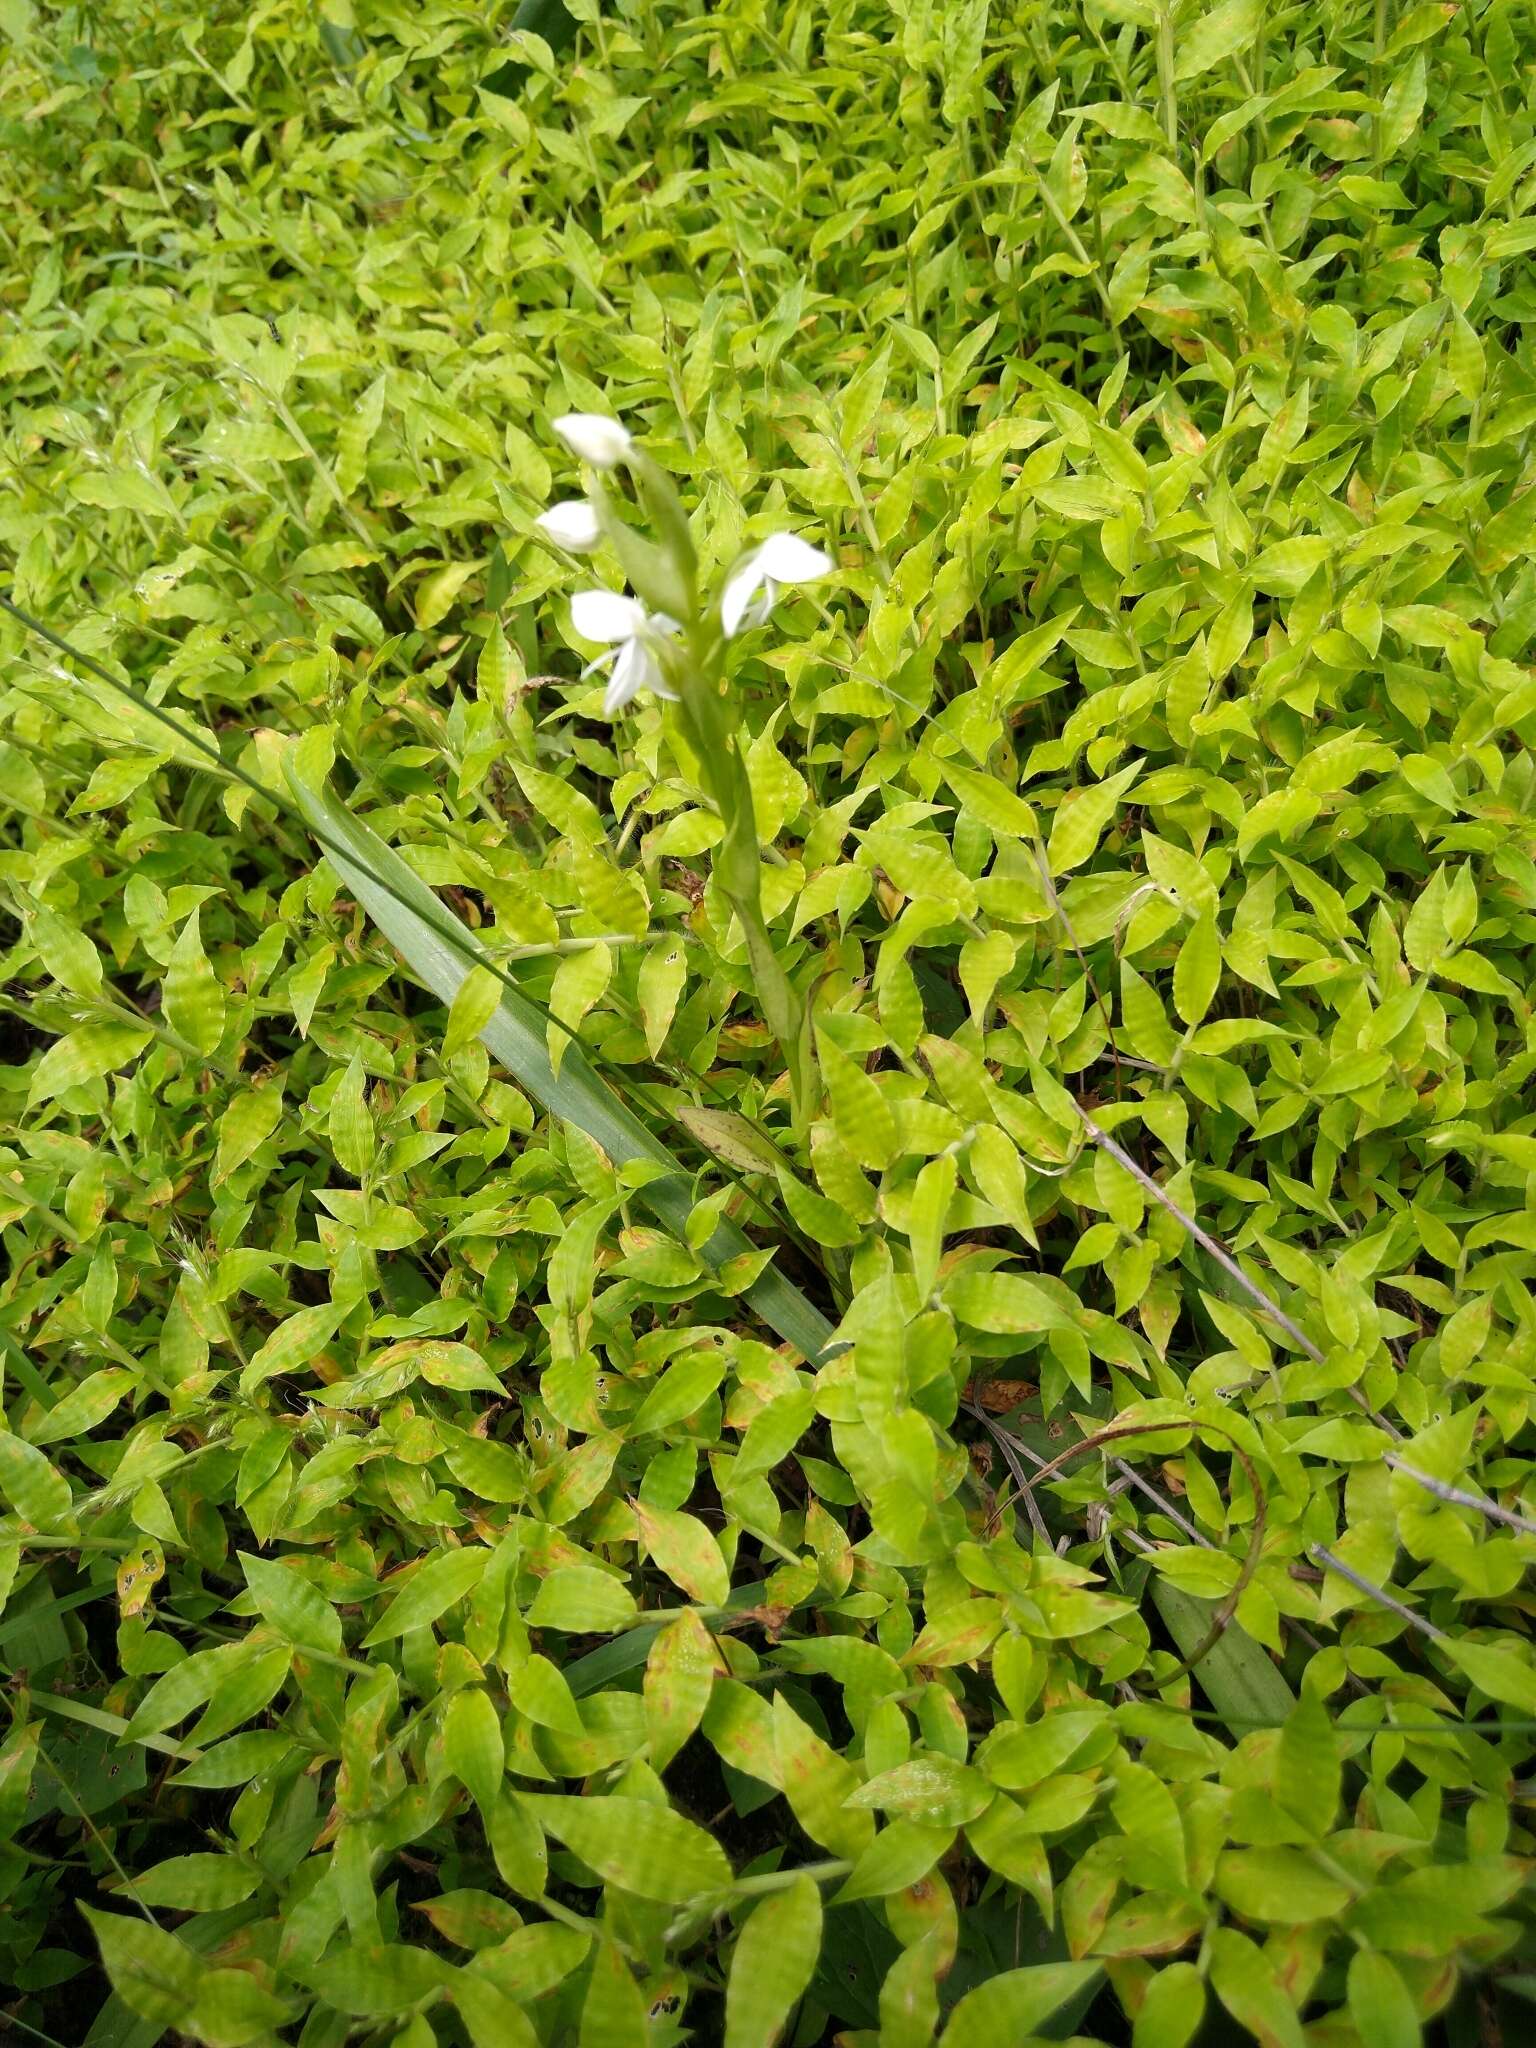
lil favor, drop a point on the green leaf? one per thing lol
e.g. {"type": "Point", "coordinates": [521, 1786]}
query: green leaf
{"type": "Point", "coordinates": [431, 1587]}
{"type": "Point", "coordinates": [296, 1609]}
{"type": "Point", "coordinates": [1380, 2003]}
{"type": "Point", "coordinates": [193, 997]}
{"type": "Point", "coordinates": [1237, 1676]}
{"type": "Point", "coordinates": [909, 1996]}
{"type": "Point", "coordinates": [153, 1973]}
{"type": "Point", "coordinates": [85, 1055]}
{"type": "Point", "coordinates": [441, 952]}
{"type": "Point", "coordinates": [1403, 105]}
{"type": "Point", "coordinates": [376, 1980]}
{"type": "Point", "coordinates": [639, 1847]}
{"type": "Point", "coordinates": [1215, 36]}
{"type": "Point", "coordinates": [196, 1883]}
{"type": "Point", "coordinates": [236, 1761]}
{"type": "Point", "coordinates": [1286, 566]}
{"type": "Point", "coordinates": [35, 1490]}
{"type": "Point", "coordinates": [1278, 1885]}
{"type": "Point", "coordinates": [898, 1857]}
{"type": "Point", "coordinates": [1197, 971]}
{"type": "Point", "coordinates": [1245, 1981]}
{"type": "Point", "coordinates": [864, 1121]}
{"type": "Point", "coordinates": [934, 1791]}
{"type": "Point", "coordinates": [613, 2011]}
{"type": "Point", "coordinates": [1172, 2010]}
{"type": "Point", "coordinates": [18, 1760]}
{"type": "Point", "coordinates": [1003, 1302]}
{"type": "Point", "coordinates": [817, 1782]}
{"type": "Point", "coordinates": [682, 1389]}
{"type": "Point", "coordinates": [471, 1918]}
{"type": "Point", "coordinates": [580, 1600]}
{"type": "Point", "coordinates": [1081, 818]}
{"type": "Point", "coordinates": [1016, 2003]}
{"type": "Point", "coordinates": [292, 1345]}
{"type": "Point", "coordinates": [993, 804]}
{"type": "Point", "coordinates": [245, 1127]}
{"type": "Point", "coordinates": [232, 2010]}
{"type": "Point", "coordinates": [1307, 1767]}
{"type": "Point", "coordinates": [663, 972]}
{"type": "Point", "coordinates": [540, 1690]}
{"type": "Point", "coordinates": [472, 1745]}
{"type": "Point", "coordinates": [772, 1964]}
{"type": "Point", "coordinates": [1503, 1674]}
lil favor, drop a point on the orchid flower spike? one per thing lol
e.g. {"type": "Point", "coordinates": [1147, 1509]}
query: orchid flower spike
{"type": "Point", "coordinates": [632, 633]}
{"type": "Point", "coordinates": [602, 442]}
{"type": "Point", "coordinates": [781, 558]}
{"type": "Point", "coordinates": [572, 525]}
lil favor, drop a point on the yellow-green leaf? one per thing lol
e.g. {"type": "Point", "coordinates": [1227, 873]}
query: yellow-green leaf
{"type": "Point", "coordinates": [639, 1847]}
{"type": "Point", "coordinates": [194, 1000]}
{"type": "Point", "coordinates": [774, 1961]}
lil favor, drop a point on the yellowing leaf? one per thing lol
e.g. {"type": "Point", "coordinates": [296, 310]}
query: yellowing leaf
{"type": "Point", "coordinates": [686, 1552]}
{"type": "Point", "coordinates": [818, 1784]}
{"type": "Point", "coordinates": [436, 593]}
{"type": "Point", "coordinates": [680, 1672]}
{"type": "Point", "coordinates": [663, 971]}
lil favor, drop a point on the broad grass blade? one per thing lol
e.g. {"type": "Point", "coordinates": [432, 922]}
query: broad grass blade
{"type": "Point", "coordinates": [440, 950]}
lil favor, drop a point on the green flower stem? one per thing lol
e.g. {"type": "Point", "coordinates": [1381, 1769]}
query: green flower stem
{"type": "Point", "coordinates": [781, 1880]}
{"type": "Point", "coordinates": [711, 730]}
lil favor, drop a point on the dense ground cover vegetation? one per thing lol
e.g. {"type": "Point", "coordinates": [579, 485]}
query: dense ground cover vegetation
{"type": "Point", "coordinates": [523, 1389]}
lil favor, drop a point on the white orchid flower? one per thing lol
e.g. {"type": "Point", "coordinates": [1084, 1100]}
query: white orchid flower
{"type": "Point", "coordinates": [632, 632]}
{"type": "Point", "coordinates": [781, 558]}
{"type": "Point", "coordinates": [571, 525]}
{"type": "Point", "coordinates": [602, 442]}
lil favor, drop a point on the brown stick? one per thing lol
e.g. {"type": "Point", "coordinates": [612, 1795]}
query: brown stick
{"type": "Point", "coordinates": [1375, 1592]}
{"type": "Point", "coordinates": [1460, 1497]}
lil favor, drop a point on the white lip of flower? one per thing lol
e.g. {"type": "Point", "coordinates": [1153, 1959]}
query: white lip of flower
{"type": "Point", "coordinates": [602, 442]}
{"type": "Point", "coordinates": [632, 632]}
{"type": "Point", "coordinates": [781, 558]}
{"type": "Point", "coordinates": [572, 525]}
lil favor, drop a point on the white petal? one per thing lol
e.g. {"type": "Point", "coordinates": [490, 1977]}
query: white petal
{"type": "Point", "coordinates": [759, 613]}
{"type": "Point", "coordinates": [654, 681]}
{"type": "Point", "coordinates": [632, 672]}
{"type": "Point", "coordinates": [603, 443]}
{"type": "Point", "coordinates": [605, 615]}
{"type": "Point", "coordinates": [741, 586]}
{"type": "Point", "coordinates": [789, 559]}
{"type": "Point", "coordinates": [572, 525]}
